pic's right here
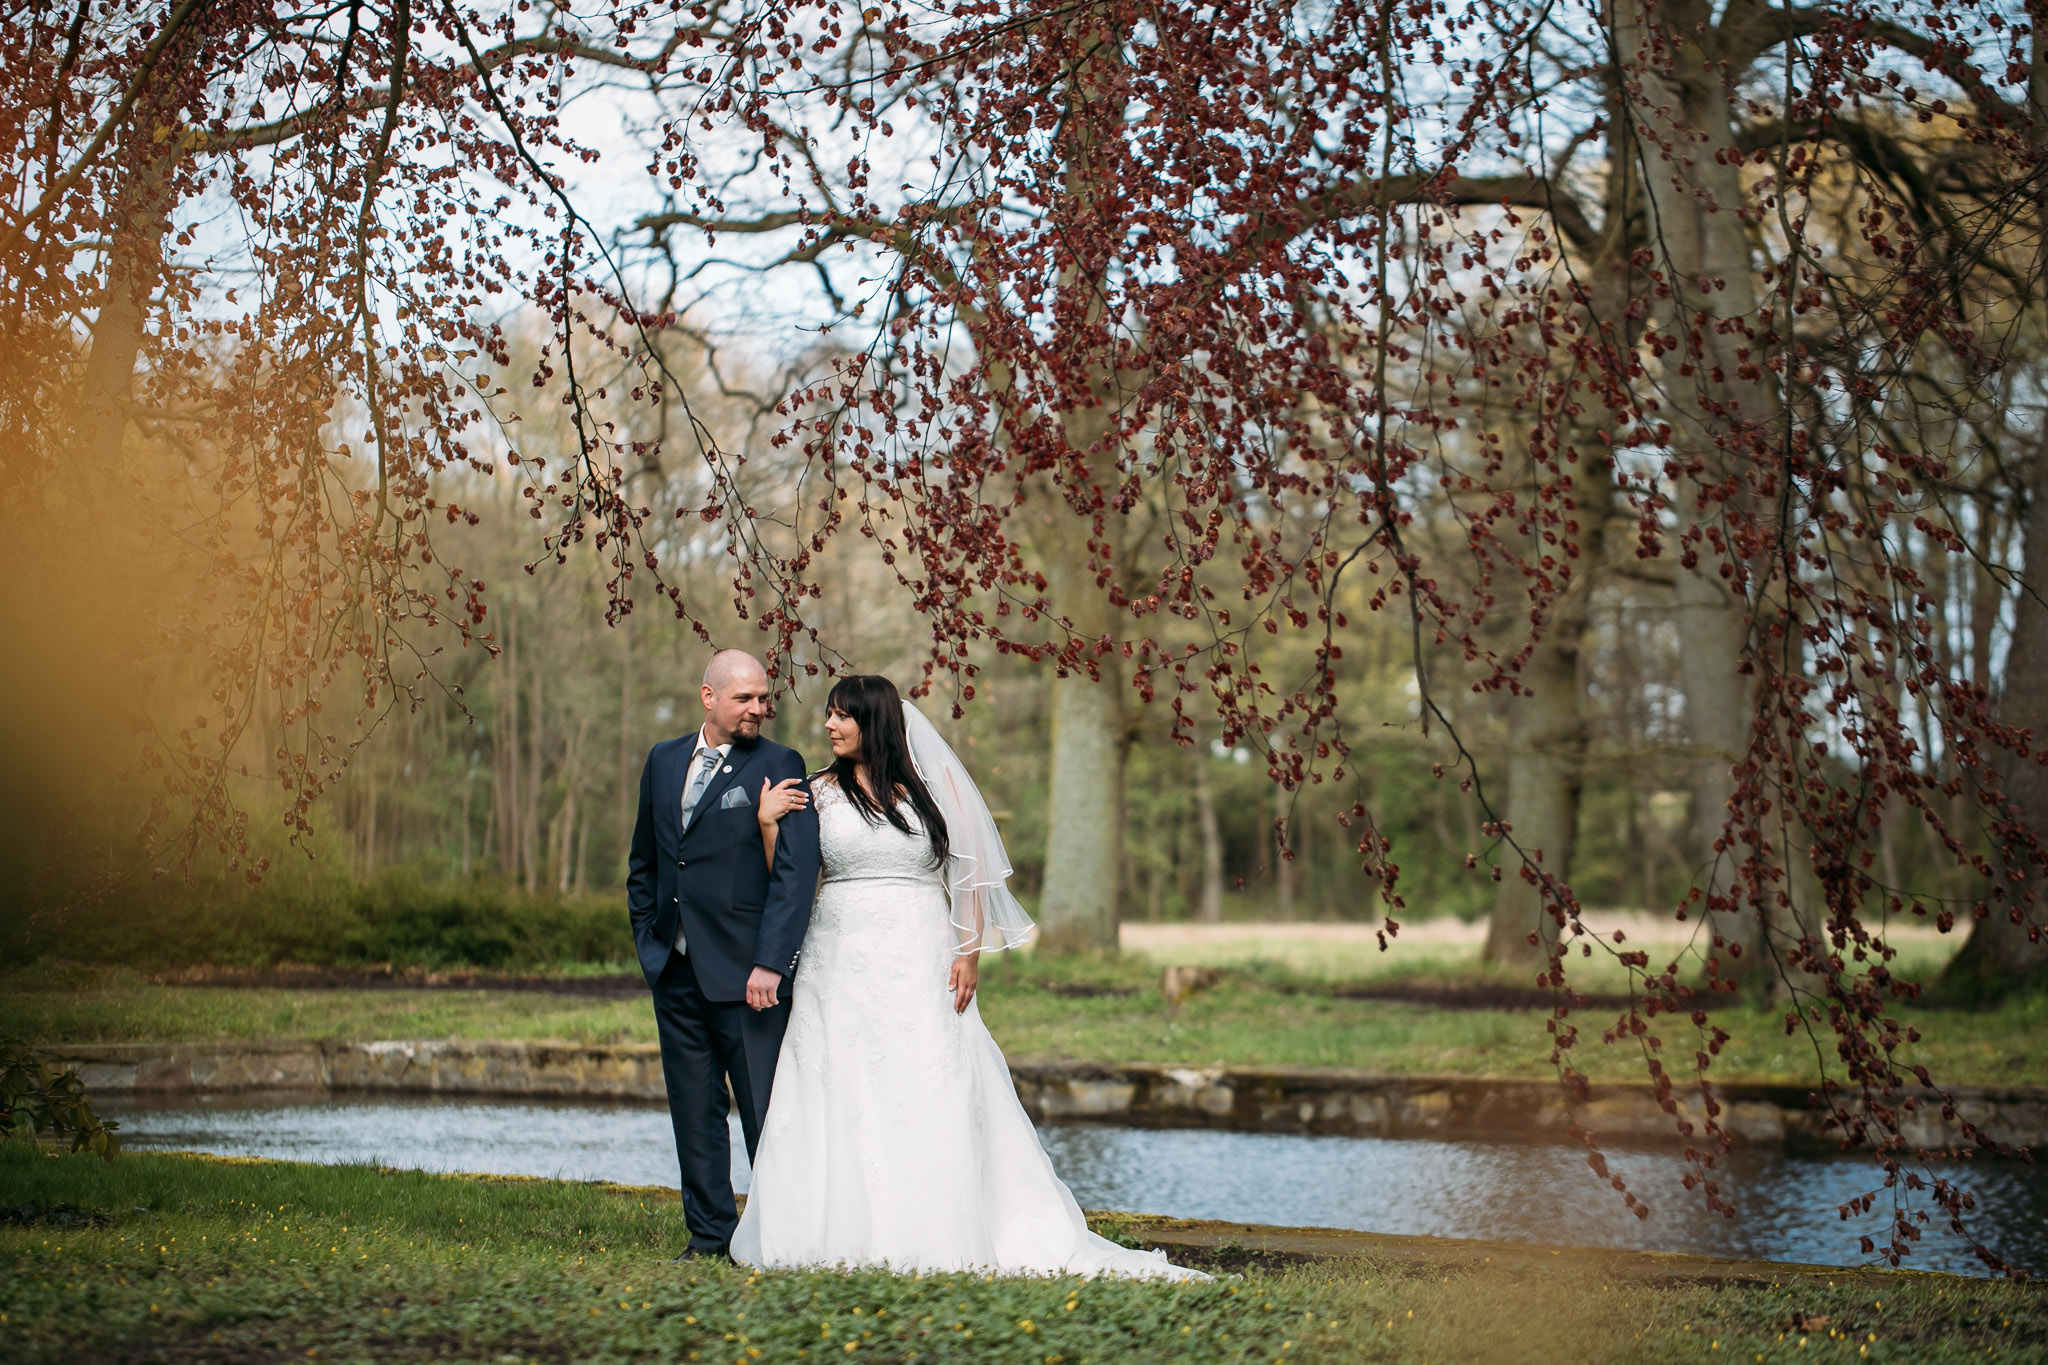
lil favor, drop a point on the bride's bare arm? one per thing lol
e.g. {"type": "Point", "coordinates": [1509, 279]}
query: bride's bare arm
{"type": "Point", "coordinates": [777, 801]}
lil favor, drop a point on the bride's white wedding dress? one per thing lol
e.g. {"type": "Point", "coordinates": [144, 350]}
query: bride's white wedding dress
{"type": "Point", "coordinates": [894, 1136]}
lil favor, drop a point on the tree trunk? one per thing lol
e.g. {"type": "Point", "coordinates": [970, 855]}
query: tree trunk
{"type": "Point", "coordinates": [1548, 732]}
{"type": "Point", "coordinates": [2002, 953]}
{"type": "Point", "coordinates": [629, 778]}
{"type": "Point", "coordinates": [135, 262]}
{"type": "Point", "coordinates": [1077, 910]}
{"type": "Point", "coordinates": [1285, 868]}
{"type": "Point", "coordinates": [1210, 910]}
{"type": "Point", "coordinates": [1692, 179]}
{"type": "Point", "coordinates": [529, 817]}
{"type": "Point", "coordinates": [1079, 907]}
{"type": "Point", "coordinates": [1712, 628]}
{"type": "Point", "coordinates": [565, 842]}
{"type": "Point", "coordinates": [1638, 843]}
{"type": "Point", "coordinates": [582, 855]}
{"type": "Point", "coordinates": [508, 785]}
{"type": "Point", "coordinates": [1547, 738]}
{"type": "Point", "coordinates": [369, 813]}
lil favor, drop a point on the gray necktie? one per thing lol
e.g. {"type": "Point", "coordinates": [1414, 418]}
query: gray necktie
{"type": "Point", "coordinates": [707, 765]}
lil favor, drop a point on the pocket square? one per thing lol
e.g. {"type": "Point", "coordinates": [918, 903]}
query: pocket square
{"type": "Point", "coordinates": [734, 799]}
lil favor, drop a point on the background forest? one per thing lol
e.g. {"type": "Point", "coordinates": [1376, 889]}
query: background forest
{"type": "Point", "coordinates": [483, 817]}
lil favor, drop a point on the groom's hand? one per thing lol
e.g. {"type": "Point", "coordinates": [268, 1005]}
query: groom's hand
{"type": "Point", "coordinates": [762, 985]}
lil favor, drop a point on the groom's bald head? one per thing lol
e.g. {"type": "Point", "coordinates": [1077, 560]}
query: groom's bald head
{"type": "Point", "coordinates": [729, 665]}
{"type": "Point", "coordinates": [735, 696]}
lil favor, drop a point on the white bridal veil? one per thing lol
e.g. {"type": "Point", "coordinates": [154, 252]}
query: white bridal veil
{"type": "Point", "coordinates": [985, 914]}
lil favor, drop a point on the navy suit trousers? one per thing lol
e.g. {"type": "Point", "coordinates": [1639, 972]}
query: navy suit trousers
{"type": "Point", "coordinates": [706, 1044]}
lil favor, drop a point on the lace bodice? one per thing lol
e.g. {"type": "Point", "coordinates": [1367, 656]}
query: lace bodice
{"type": "Point", "coordinates": [854, 850]}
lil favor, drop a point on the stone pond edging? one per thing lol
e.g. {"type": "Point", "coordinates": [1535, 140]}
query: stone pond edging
{"type": "Point", "coordinates": [1315, 1100]}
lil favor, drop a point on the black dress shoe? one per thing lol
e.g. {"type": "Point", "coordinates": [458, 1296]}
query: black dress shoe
{"type": "Point", "coordinates": [704, 1254]}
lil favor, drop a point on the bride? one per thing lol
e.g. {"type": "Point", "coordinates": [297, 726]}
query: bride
{"type": "Point", "coordinates": [894, 1136]}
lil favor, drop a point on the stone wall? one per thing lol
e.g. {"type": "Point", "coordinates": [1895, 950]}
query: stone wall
{"type": "Point", "coordinates": [1358, 1103]}
{"type": "Point", "coordinates": [1271, 1099]}
{"type": "Point", "coordinates": [439, 1067]}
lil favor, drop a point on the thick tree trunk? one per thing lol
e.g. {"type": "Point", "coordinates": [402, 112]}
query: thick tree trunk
{"type": "Point", "coordinates": [1547, 738]}
{"type": "Point", "coordinates": [106, 386]}
{"type": "Point", "coordinates": [1692, 179]}
{"type": "Point", "coordinates": [1546, 750]}
{"type": "Point", "coordinates": [1080, 905]}
{"type": "Point", "coordinates": [1084, 818]}
{"type": "Point", "coordinates": [1080, 901]}
{"type": "Point", "coordinates": [1548, 731]}
{"type": "Point", "coordinates": [1713, 628]}
{"type": "Point", "coordinates": [81, 574]}
{"type": "Point", "coordinates": [2002, 954]}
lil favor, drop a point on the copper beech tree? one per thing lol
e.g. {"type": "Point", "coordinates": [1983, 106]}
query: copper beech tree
{"type": "Point", "coordinates": [1166, 329]}
{"type": "Point", "coordinates": [1171, 319]}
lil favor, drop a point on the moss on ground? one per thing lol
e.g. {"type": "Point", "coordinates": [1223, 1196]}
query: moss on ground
{"type": "Point", "coordinates": [173, 1258]}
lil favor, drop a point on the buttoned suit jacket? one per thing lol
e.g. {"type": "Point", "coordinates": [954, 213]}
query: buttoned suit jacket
{"type": "Point", "coordinates": [713, 878]}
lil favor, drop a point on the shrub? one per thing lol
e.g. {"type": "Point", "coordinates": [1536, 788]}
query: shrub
{"type": "Point", "coordinates": [397, 918]}
{"type": "Point", "coordinates": [35, 1099]}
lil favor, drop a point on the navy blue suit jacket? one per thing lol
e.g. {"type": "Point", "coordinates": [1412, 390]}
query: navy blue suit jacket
{"type": "Point", "coordinates": [713, 878]}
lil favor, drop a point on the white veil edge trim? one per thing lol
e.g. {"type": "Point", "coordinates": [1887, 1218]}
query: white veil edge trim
{"type": "Point", "coordinates": [985, 915]}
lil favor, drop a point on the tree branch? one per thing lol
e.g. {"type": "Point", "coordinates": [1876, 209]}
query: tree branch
{"type": "Point", "coordinates": [1361, 197]}
{"type": "Point", "coordinates": [1759, 28]}
{"type": "Point", "coordinates": [104, 134]}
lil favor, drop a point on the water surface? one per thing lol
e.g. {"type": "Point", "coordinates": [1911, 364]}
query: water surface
{"type": "Point", "coordinates": [1501, 1191]}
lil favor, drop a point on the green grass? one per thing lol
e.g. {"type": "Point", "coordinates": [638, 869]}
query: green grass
{"type": "Point", "coordinates": [170, 1258]}
{"type": "Point", "coordinates": [1266, 1016]}
{"type": "Point", "coordinates": [1258, 1017]}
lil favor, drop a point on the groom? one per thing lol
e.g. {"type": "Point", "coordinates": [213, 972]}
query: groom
{"type": "Point", "coordinates": [717, 930]}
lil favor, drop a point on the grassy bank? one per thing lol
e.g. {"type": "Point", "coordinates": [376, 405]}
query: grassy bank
{"type": "Point", "coordinates": [166, 1258]}
{"type": "Point", "coordinates": [1259, 1016]}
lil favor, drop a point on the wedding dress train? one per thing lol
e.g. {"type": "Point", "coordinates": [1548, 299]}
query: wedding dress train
{"type": "Point", "coordinates": [894, 1137]}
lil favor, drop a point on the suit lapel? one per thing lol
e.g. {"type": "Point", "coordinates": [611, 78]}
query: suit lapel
{"type": "Point", "coordinates": [737, 762]}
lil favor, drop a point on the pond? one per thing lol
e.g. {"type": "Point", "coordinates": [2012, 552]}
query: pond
{"type": "Point", "coordinates": [1500, 1191]}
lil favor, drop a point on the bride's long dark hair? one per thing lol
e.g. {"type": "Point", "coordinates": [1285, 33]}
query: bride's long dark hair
{"type": "Point", "coordinates": [871, 702]}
